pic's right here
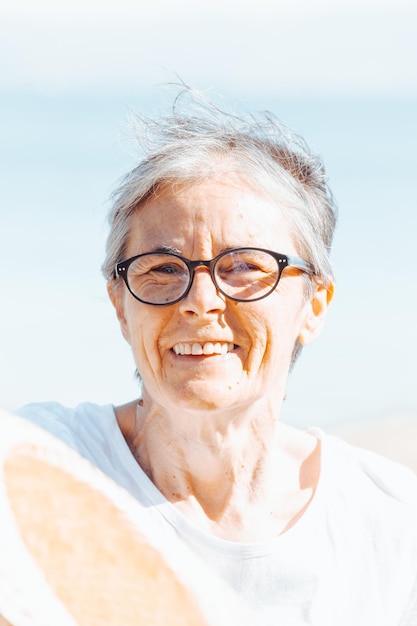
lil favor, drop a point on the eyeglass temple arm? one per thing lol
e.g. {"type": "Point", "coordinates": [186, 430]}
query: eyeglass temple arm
{"type": "Point", "coordinates": [295, 261]}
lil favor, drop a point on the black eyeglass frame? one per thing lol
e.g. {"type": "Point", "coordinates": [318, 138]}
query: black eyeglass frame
{"type": "Point", "coordinates": [283, 261]}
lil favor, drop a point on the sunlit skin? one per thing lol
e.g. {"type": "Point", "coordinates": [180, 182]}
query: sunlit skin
{"type": "Point", "coordinates": [205, 430]}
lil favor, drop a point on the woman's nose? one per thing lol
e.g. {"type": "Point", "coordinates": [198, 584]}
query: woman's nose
{"type": "Point", "coordinates": [203, 297]}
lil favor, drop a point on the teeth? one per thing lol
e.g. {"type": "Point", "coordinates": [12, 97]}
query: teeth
{"type": "Point", "coordinates": [207, 348]}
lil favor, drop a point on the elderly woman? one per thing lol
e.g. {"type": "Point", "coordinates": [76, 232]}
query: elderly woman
{"type": "Point", "coordinates": [218, 269]}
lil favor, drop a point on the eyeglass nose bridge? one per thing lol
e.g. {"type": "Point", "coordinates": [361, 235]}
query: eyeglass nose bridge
{"type": "Point", "coordinates": [193, 265]}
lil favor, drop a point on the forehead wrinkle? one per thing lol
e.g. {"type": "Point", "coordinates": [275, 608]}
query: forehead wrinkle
{"type": "Point", "coordinates": [202, 231]}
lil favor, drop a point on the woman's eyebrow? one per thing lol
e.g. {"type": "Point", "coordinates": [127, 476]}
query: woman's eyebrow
{"type": "Point", "coordinates": [232, 248]}
{"type": "Point", "coordinates": [164, 248]}
{"type": "Point", "coordinates": [167, 248]}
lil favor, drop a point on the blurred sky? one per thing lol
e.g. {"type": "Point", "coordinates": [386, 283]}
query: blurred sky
{"type": "Point", "coordinates": [344, 74]}
{"type": "Point", "coordinates": [351, 46]}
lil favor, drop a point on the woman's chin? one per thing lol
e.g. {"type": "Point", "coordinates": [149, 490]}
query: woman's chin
{"type": "Point", "coordinates": [200, 395]}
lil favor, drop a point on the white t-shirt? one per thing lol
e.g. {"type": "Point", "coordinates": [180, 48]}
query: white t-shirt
{"type": "Point", "coordinates": [351, 560]}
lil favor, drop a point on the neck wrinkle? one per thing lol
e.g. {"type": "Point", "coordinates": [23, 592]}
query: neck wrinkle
{"type": "Point", "coordinates": [212, 470]}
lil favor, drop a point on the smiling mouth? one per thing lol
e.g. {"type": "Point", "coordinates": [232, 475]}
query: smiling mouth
{"type": "Point", "coordinates": [208, 348]}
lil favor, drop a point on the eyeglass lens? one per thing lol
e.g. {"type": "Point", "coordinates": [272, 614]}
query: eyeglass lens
{"type": "Point", "coordinates": [163, 278]}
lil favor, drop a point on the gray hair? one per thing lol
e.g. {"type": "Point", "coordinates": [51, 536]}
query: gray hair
{"type": "Point", "coordinates": [196, 140]}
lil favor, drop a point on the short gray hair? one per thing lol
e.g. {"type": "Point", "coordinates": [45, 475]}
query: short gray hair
{"type": "Point", "coordinates": [197, 140]}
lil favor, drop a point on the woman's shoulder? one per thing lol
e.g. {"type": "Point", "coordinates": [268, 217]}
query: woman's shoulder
{"type": "Point", "coordinates": [57, 412]}
{"type": "Point", "coordinates": [69, 423]}
{"type": "Point", "coordinates": [374, 494]}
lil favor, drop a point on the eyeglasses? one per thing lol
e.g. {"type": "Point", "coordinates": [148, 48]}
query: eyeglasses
{"type": "Point", "coordinates": [241, 274]}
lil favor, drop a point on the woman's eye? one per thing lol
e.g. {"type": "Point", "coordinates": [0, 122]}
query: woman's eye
{"type": "Point", "coordinates": [245, 267]}
{"type": "Point", "coordinates": [168, 269]}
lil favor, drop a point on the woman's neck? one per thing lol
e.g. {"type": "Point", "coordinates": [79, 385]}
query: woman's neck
{"type": "Point", "coordinates": [240, 478]}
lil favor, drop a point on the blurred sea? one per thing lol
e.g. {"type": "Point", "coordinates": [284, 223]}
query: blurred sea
{"type": "Point", "coordinates": [60, 157]}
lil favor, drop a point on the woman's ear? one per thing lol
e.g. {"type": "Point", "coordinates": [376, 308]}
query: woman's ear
{"type": "Point", "coordinates": [115, 292]}
{"type": "Point", "coordinates": [316, 310]}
